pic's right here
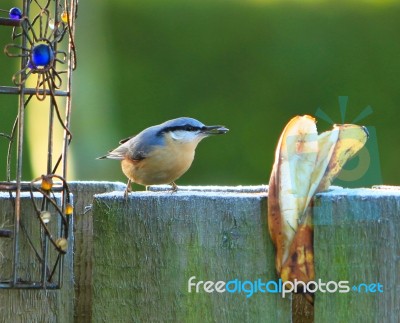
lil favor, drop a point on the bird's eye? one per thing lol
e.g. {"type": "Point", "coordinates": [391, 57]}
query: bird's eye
{"type": "Point", "coordinates": [189, 128]}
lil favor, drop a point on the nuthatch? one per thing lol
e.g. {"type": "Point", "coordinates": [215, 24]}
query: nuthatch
{"type": "Point", "coordinates": [161, 154]}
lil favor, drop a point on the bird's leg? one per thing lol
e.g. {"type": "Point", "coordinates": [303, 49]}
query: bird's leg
{"type": "Point", "coordinates": [128, 189]}
{"type": "Point", "coordinates": [174, 187]}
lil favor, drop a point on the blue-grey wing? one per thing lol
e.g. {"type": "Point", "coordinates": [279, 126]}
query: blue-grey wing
{"type": "Point", "coordinates": [137, 147]}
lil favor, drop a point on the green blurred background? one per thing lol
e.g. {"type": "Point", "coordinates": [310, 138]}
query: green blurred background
{"type": "Point", "coordinates": [250, 65]}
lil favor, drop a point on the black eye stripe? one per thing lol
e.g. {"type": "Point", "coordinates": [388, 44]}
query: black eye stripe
{"type": "Point", "coordinates": [186, 127]}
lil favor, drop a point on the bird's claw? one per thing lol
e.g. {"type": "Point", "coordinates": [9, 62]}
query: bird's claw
{"type": "Point", "coordinates": [174, 187]}
{"type": "Point", "coordinates": [128, 189]}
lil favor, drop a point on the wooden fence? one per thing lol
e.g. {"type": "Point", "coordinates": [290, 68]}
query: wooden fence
{"type": "Point", "coordinates": [133, 258]}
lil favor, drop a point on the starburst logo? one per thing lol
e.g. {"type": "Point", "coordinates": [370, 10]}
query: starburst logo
{"type": "Point", "coordinates": [364, 169]}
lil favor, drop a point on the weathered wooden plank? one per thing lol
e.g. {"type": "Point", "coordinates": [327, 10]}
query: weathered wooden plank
{"type": "Point", "coordinates": [147, 248]}
{"type": "Point", "coordinates": [356, 239]}
{"type": "Point", "coordinates": [83, 192]}
{"type": "Point", "coordinates": [52, 305]}
{"type": "Point", "coordinates": [21, 305]}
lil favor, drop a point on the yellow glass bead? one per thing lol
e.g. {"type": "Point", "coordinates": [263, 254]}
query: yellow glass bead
{"type": "Point", "coordinates": [45, 216]}
{"type": "Point", "coordinates": [69, 209]}
{"type": "Point", "coordinates": [64, 16]}
{"type": "Point", "coordinates": [47, 183]}
{"type": "Point", "coordinates": [62, 244]}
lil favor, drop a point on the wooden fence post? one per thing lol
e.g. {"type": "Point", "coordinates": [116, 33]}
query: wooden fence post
{"type": "Point", "coordinates": [83, 192]}
{"type": "Point", "coordinates": [32, 305]}
{"type": "Point", "coordinates": [21, 305]}
{"type": "Point", "coordinates": [357, 239]}
{"type": "Point", "coordinates": [148, 247]}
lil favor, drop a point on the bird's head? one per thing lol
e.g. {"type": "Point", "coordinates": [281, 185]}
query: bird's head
{"type": "Point", "coordinates": [189, 130]}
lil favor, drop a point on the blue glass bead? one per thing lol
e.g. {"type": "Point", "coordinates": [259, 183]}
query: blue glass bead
{"type": "Point", "coordinates": [15, 13]}
{"type": "Point", "coordinates": [42, 55]}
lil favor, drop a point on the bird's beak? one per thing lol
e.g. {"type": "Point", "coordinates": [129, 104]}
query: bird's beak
{"type": "Point", "coordinates": [214, 130]}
